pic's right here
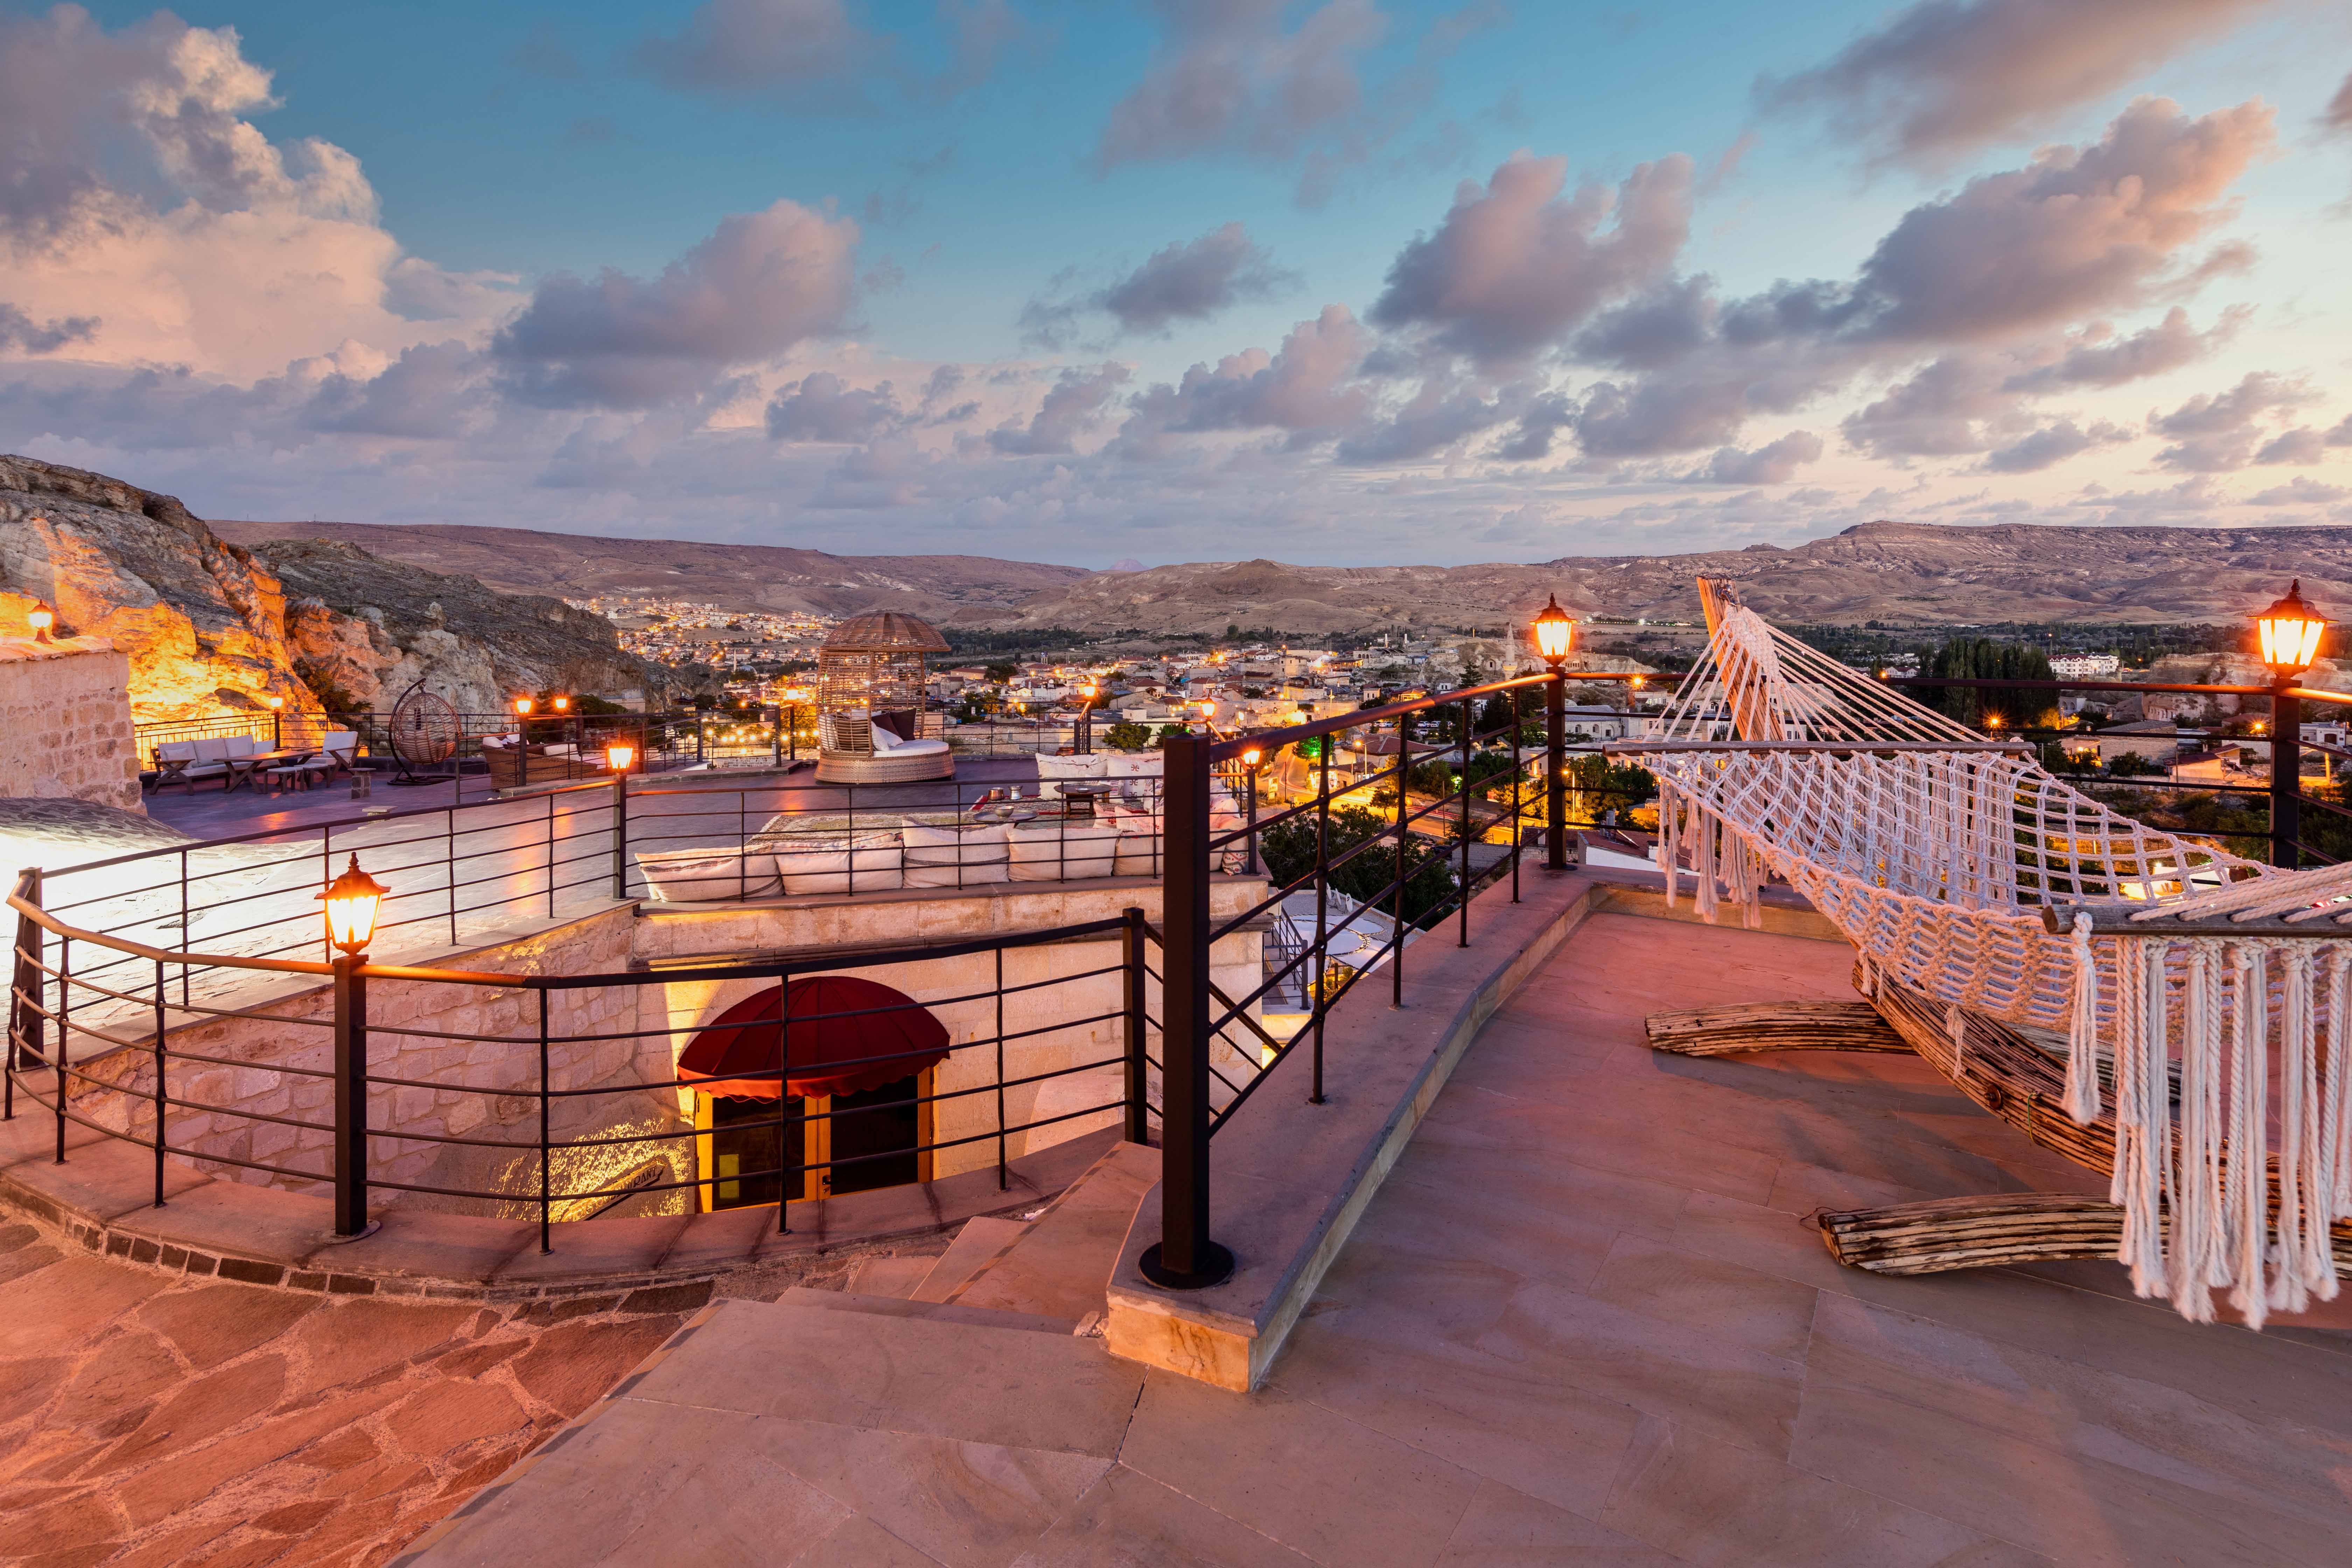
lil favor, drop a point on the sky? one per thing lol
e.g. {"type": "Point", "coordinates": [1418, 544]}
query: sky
{"type": "Point", "coordinates": [1348, 282]}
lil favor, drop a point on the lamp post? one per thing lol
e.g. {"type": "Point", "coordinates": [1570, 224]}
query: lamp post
{"type": "Point", "coordinates": [2289, 634]}
{"type": "Point", "coordinates": [1087, 718]}
{"type": "Point", "coordinates": [619, 754]}
{"type": "Point", "coordinates": [353, 901]}
{"type": "Point", "coordinates": [1252, 755]}
{"type": "Point", "coordinates": [1554, 634]}
{"type": "Point", "coordinates": [277, 724]}
{"type": "Point", "coordinates": [41, 618]}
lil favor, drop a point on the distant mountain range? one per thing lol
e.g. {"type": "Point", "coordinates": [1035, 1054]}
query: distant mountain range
{"type": "Point", "coordinates": [1896, 572]}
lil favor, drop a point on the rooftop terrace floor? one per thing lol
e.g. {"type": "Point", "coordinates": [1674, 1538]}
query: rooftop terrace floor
{"type": "Point", "coordinates": [1587, 1321]}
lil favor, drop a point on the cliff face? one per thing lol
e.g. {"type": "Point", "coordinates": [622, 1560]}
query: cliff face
{"type": "Point", "coordinates": [372, 626]}
{"type": "Point", "coordinates": [211, 627]}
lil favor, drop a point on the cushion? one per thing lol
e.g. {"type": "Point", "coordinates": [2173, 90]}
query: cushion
{"type": "Point", "coordinates": [884, 740]}
{"type": "Point", "coordinates": [955, 856]}
{"type": "Point", "coordinates": [1062, 851]}
{"type": "Point", "coordinates": [212, 747]}
{"type": "Point", "coordinates": [176, 752]}
{"type": "Point", "coordinates": [919, 749]}
{"type": "Point", "coordinates": [342, 740]}
{"type": "Point", "coordinates": [244, 745]}
{"type": "Point", "coordinates": [1134, 764]}
{"type": "Point", "coordinates": [826, 866]}
{"type": "Point", "coordinates": [707, 876]}
{"type": "Point", "coordinates": [1140, 849]}
{"type": "Point", "coordinates": [1051, 770]}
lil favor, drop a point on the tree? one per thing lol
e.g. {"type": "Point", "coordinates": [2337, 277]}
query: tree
{"type": "Point", "coordinates": [1169, 733]}
{"type": "Point", "coordinates": [2130, 765]}
{"type": "Point", "coordinates": [1003, 671]}
{"type": "Point", "coordinates": [1981, 658]}
{"type": "Point", "coordinates": [1127, 736]}
{"type": "Point", "coordinates": [1288, 851]}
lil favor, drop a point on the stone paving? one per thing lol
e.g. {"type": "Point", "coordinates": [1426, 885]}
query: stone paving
{"type": "Point", "coordinates": [152, 1420]}
{"type": "Point", "coordinates": [1588, 1321]}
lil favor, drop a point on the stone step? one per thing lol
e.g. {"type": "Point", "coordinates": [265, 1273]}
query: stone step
{"type": "Point", "coordinates": [936, 1312]}
{"type": "Point", "coordinates": [891, 1276]}
{"type": "Point", "coordinates": [1060, 1265]}
{"type": "Point", "coordinates": [980, 1241]}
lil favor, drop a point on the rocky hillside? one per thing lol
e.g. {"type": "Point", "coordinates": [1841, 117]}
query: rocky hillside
{"type": "Point", "coordinates": [210, 625]}
{"type": "Point", "coordinates": [1901, 573]}
{"type": "Point", "coordinates": [774, 578]}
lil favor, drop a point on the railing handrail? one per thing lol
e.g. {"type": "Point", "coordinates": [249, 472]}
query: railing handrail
{"type": "Point", "coordinates": [1233, 746]}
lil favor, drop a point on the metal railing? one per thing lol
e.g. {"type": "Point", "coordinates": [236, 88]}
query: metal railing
{"type": "Point", "coordinates": [119, 1058]}
{"type": "Point", "coordinates": [1406, 850]}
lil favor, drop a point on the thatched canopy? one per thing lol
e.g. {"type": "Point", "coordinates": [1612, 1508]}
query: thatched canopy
{"type": "Point", "coordinates": [888, 632]}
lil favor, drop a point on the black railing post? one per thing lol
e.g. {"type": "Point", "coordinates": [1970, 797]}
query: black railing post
{"type": "Point", "coordinates": [1469, 721]}
{"type": "Point", "coordinates": [545, 1241]}
{"type": "Point", "coordinates": [621, 837]}
{"type": "Point", "coordinates": [1184, 1258]}
{"type": "Point", "coordinates": [350, 1095]}
{"type": "Point", "coordinates": [1138, 1080]}
{"type": "Point", "coordinates": [1555, 773]}
{"type": "Point", "coordinates": [2286, 774]}
{"type": "Point", "coordinates": [162, 1096]}
{"type": "Point", "coordinates": [1322, 907]}
{"type": "Point", "coordinates": [65, 1028]}
{"type": "Point", "coordinates": [23, 1007]}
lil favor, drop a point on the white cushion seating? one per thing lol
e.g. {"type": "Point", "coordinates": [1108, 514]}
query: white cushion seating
{"type": "Point", "coordinates": [1062, 851]}
{"type": "Point", "coordinates": [870, 863]}
{"type": "Point", "coordinates": [1052, 771]}
{"type": "Point", "coordinates": [1135, 765]}
{"type": "Point", "coordinates": [707, 876]}
{"type": "Point", "coordinates": [956, 857]}
{"type": "Point", "coordinates": [201, 765]}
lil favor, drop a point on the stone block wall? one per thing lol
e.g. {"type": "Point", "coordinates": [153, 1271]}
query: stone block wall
{"type": "Point", "coordinates": [65, 706]}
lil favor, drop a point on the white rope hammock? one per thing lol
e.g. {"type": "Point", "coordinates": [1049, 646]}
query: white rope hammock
{"type": "Point", "coordinates": [1937, 854]}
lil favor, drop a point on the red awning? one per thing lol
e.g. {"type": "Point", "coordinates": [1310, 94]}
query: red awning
{"type": "Point", "coordinates": [847, 1034]}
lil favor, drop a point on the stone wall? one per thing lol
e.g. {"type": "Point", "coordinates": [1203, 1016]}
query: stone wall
{"type": "Point", "coordinates": [485, 1083]}
{"type": "Point", "coordinates": [65, 706]}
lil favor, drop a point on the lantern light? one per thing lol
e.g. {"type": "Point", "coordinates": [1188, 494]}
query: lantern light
{"type": "Point", "coordinates": [619, 754]}
{"type": "Point", "coordinates": [1252, 755]}
{"type": "Point", "coordinates": [2289, 632]}
{"type": "Point", "coordinates": [1554, 631]}
{"type": "Point", "coordinates": [561, 704]}
{"type": "Point", "coordinates": [352, 900]}
{"type": "Point", "coordinates": [277, 704]}
{"type": "Point", "coordinates": [42, 618]}
{"type": "Point", "coordinates": [522, 706]}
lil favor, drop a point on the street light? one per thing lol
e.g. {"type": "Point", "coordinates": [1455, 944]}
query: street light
{"type": "Point", "coordinates": [277, 724]}
{"type": "Point", "coordinates": [1554, 631]}
{"type": "Point", "coordinates": [522, 706]}
{"type": "Point", "coordinates": [1087, 718]}
{"type": "Point", "coordinates": [42, 618]}
{"type": "Point", "coordinates": [2289, 633]}
{"type": "Point", "coordinates": [1252, 754]}
{"type": "Point", "coordinates": [352, 900]}
{"type": "Point", "coordinates": [619, 754]}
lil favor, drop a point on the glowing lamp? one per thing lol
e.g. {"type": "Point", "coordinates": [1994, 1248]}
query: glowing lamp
{"type": "Point", "coordinates": [352, 902]}
{"type": "Point", "coordinates": [562, 703]}
{"type": "Point", "coordinates": [1554, 631]}
{"type": "Point", "coordinates": [276, 703]}
{"type": "Point", "coordinates": [619, 754]}
{"type": "Point", "coordinates": [42, 618]}
{"type": "Point", "coordinates": [1252, 756]}
{"type": "Point", "coordinates": [523, 705]}
{"type": "Point", "coordinates": [2289, 632]}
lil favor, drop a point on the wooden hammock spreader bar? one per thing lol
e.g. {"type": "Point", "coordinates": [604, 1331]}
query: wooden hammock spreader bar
{"type": "Point", "coordinates": [1774, 1026]}
{"type": "Point", "coordinates": [2116, 919]}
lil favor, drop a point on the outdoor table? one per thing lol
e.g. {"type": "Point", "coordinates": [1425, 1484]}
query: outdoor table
{"type": "Point", "coordinates": [242, 768]}
{"type": "Point", "coordinates": [173, 770]}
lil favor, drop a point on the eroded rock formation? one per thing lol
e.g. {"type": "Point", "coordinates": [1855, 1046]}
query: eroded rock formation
{"type": "Point", "coordinates": [212, 626]}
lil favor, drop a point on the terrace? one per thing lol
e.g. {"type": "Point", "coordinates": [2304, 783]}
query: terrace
{"type": "Point", "coordinates": [1484, 1276]}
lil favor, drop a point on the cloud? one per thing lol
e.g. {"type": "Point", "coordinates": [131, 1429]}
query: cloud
{"type": "Point", "coordinates": [1228, 77]}
{"type": "Point", "coordinates": [1438, 417]}
{"type": "Point", "coordinates": [1187, 281]}
{"type": "Point", "coordinates": [1935, 411]}
{"type": "Point", "coordinates": [1075, 404]}
{"type": "Point", "coordinates": [2215, 431]}
{"type": "Point", "coordinates": [433, 391]}
{"type": "Point", "coordinates": [2053, 444]}
{"type": "Point", "coordinates": [1307, 388]}
{"type": "Point", "coordinates": [2098, 358]}
{"type": "Point", "coordinates": [2300, 446]}
{"type": "Point", "coordinates": [1515, 267]}
{"type": "Point", "coordinates": [822, 408]}
{"type": "Point", "coordinates": [1539, 424]}
{"type": "Point", "coordinates": [757, 47]}
{"type": "Point", "coordinates": [2300, 490]}
{"type": "Point", "coordinates": [21, 332]}
{"type": "Point", "coordinates": [1946, 77]}
{"type": "Point", "coordinates": [762, 283]}
{"type": "Point", "coordinates": [1775, 464]}
{"type": "Point", "coordinates": [137, 197]}
{"type": "Point", "coordinates": [2097, 228]}
{"type": "Point", "coordinates": [2341, 436]}
{"type": "Point", "coordinates": [2338, 114]}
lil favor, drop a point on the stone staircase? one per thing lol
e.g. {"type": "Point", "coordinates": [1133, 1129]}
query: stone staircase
{"type": "Point", "coordinates": [957, 1405]}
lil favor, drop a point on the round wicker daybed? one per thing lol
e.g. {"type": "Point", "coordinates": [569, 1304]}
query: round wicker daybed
{"type": "Point", "coordinates": [870, 686]}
